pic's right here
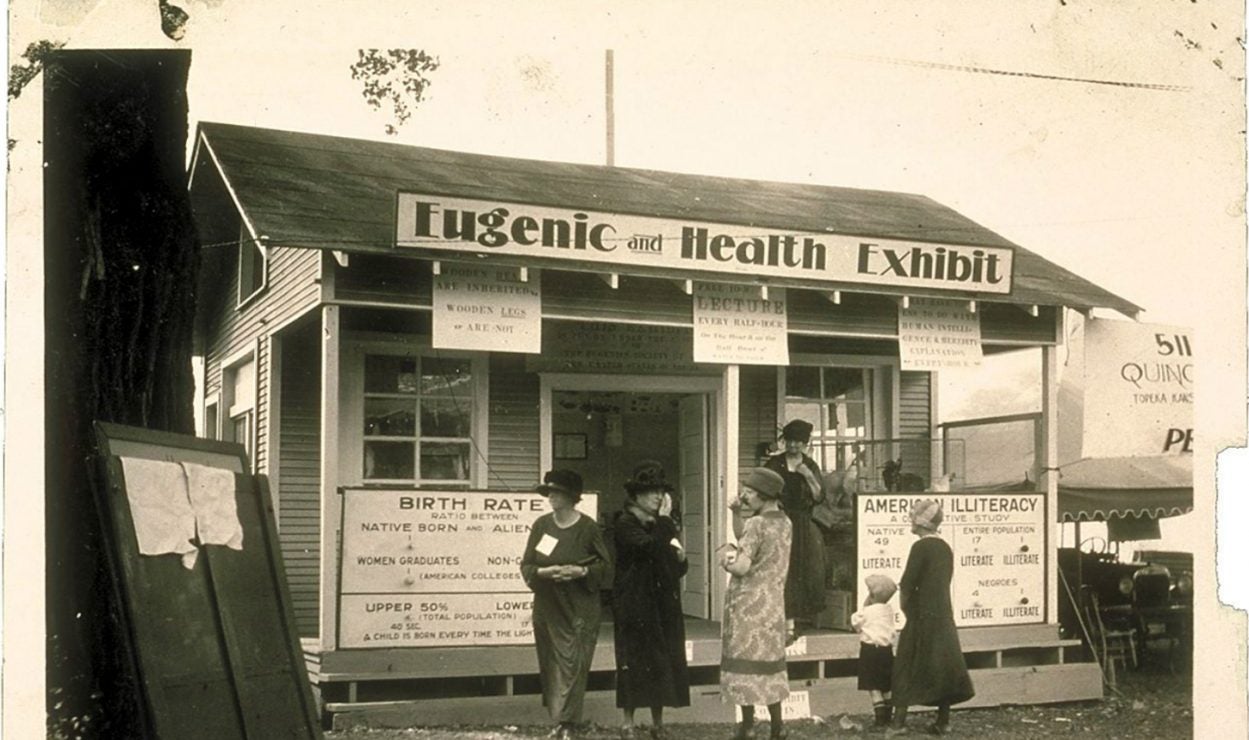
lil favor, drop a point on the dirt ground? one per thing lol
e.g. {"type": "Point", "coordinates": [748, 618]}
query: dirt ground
{"type": "Point", "coordinates": [1150, 703]}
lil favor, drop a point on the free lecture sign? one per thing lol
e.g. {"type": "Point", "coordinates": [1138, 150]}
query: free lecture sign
{"type": "Point", "coordinates": [734, 325]}
{"type": "Point", "coordinates": [432, 567]}
{"type": "Point", "coordinates": [486, 308]}
{"type": "Point", "coordinates": [998, 541]}
{"type": "Point", "coordinates": [620, 240]}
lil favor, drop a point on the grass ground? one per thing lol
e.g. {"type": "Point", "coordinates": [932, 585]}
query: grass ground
{"type": "Point", "coordinates": [1149, 703]}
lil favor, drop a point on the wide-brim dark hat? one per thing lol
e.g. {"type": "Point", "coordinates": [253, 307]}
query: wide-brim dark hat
{"type": "Point", "coordinates": [561, 480]}
{"type": "Point", "coordinates": [797, 430]}
{"type": "Point", "coordinates": [648, 475]}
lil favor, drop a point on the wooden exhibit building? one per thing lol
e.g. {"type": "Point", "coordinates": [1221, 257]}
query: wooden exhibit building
{"type": "Point", "coordinates": [331, 304]}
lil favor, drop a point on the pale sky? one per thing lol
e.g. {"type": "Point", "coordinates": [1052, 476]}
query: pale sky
{"type": "Point", "coordinates": [1140, 190]}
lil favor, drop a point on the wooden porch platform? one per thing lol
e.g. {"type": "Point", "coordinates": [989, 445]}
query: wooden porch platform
{"type": "Point", "coordinates": [1027, 664]}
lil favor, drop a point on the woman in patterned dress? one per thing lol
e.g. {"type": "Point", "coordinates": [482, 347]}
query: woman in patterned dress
{"type": "Point", "coordinates": [565, 564]}
{"type": "Point", "coordinates": [752, 663]}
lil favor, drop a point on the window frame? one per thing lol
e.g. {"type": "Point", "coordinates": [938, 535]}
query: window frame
{"type": "Point", "coordinates": [247, 244]}
{"type": "Point", "coordinates": [228, 410]}
{"type": "Point", "coordinates": [882, 399]}
{"type": "Point", "coordinates": [351, 425]}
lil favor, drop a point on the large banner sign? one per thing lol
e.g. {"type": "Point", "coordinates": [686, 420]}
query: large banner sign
{"type": "Point", "coordinates": [486, 308]}
{"type": "Point", "coordinates": [999, 550]}
{"type": "Point", "coordinates": [621, 241]}
{"type": "Point", "coordinates": [1138, 389]}
{"type": "Point", "coordinates": [437, 568]}
{"type": "Point", "coordinates": [733, 325]}
{"type": "Point", "coordinates": [938, 335]}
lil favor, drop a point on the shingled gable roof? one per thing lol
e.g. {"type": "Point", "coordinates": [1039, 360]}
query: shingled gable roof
{"type": "Point", "coordinates": [311, 190]}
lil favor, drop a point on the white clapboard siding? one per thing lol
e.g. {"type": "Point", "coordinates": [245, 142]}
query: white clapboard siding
{"type": "Point", "coordinates": [513, 428]}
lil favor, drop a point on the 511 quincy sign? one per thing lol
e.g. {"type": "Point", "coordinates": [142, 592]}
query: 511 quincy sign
{"type": "Point", "coordinates": [621, 240]}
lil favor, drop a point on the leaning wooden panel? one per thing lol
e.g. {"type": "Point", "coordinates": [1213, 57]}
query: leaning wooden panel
{"type": "Point", "coordinates": [214, 643]}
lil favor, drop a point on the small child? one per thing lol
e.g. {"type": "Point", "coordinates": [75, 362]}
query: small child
{"type": "Point", "coordinates": [877, 624]}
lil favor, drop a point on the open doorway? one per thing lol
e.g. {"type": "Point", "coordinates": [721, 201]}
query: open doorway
{"type": "Point", "coordinates": [602, 430]}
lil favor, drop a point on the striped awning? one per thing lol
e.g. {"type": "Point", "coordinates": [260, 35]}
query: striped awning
{"type": "Point", "coordinates": [1101, 489]}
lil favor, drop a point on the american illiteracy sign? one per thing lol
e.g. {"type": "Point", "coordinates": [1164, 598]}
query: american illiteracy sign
{"type": "Point", "coordinates": [998, 541]}
{"type": "Point", "coordinates": [437, 568]}
{"type": "Point", "coordinates": [621, 240]}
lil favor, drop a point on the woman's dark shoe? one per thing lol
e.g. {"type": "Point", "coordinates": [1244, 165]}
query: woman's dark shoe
{"type": "Point", "coordinates": [743, 731]}
{"type": "Point", "coordinates": [659, 733]}
{"type": "Point", "coordinates": [778, 735]}
{"type": "Point", "coordinates": [936, 728]}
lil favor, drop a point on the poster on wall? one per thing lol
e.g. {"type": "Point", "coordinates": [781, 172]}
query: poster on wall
{"type": "Point", "coordinates": [935, 334]}
{"type": "Point", "coordinates": [486, 308]}
{"type": "Point", "coordinates": [734, 325]}
{"type": "Point", "coordinates": [1138, 392]}
{"type": "Point", "coordinates": [436, 568]}
{"type": "Point", "coordinates": [998, 541]}
{"type": "Point", "coordinates": [603, 347]}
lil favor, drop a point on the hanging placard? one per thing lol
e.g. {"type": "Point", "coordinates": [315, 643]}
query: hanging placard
{"type": "Point", "coordinates": [934, 334]}
{"type": "Point", "coordinates": [735, 325]}
{"type": "Point", "coordinates": [487, 308]}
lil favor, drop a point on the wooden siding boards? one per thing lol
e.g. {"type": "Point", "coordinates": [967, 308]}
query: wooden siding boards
{"type": "Point", "coordinates": [756, 419]}
{"type": "Point", "coordinates": [915, 421]}
{"type": "Point", "coordinates": [299, 498]}
{"type": "Point", "coordinates": [513, 429]}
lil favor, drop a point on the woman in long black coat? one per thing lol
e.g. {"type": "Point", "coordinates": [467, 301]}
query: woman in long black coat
{"type": "Point", "coordinates": [929, 669]}
{"type": "Point", "coordinates": [649, 625]}
{"type": "Point", "coordinates": [804, 584]}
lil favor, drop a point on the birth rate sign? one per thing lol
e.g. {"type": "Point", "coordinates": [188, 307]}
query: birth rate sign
{"type": "Point", "coordinates": [437, 568]}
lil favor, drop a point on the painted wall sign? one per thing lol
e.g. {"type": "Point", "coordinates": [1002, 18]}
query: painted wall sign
{"type": "Point", "coordinates": [998, 541]}
{"type": "Point", "coordinates": [485, 308]}
{"type": "Point", "coordinates": [620, 240]}
{"type": "Point", "coordinates": [734, 325]}
{"type": "Point", "coordinates": [935, 334]}
{"type": "Point", "coordinates": [1138, 389]}
{"type": "Point", "coordinates": [600, 347]}
{"type": "Point", "coordinates": [427, 567]}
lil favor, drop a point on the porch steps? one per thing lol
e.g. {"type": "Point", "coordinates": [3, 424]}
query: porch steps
{"type": "Point", "coordinates": [1023, 664]}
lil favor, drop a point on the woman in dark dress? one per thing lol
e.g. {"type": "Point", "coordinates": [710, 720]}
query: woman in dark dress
{"type": "Point", "coordinates": [929, 669]}
{"type": "Point", "coordinates": [649, 624]}
{"type": "Point", "coordinates": [565, 564]}
{"type": "Point", "coordinates": [804, 586]}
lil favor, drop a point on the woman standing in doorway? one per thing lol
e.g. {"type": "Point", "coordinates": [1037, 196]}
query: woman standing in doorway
{"type": "Point", "coordinates": [929, 669]}
{"type": "Point", "coordinates": [752, 653]}
{"type": "Point", "coordinates": [565, 565]}
{"type": "Point", "coordinates": [804, 586]}
{"type": "Point", "coordinates": [650, 626]}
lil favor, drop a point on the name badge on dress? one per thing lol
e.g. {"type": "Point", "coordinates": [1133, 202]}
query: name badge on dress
{"type": "Point", "coordinates": [546, 545]}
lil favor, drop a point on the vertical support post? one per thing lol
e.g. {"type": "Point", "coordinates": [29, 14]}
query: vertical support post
{"type": "Point", "coordinates": [1049, 472]}
{"type": "Point", "coordinates": [273, 432]}
{"type": "Point", "coordinates": [611, 107]}
{"type": "Point", "coordinates": [727, 419]}
{"type": "Point", "coordinates": [331, 501]}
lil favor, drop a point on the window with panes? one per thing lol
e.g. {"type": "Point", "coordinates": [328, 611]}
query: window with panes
{"type": "Point", "coordinates": [837, 401]}
{"type": "Point", "coordinates": [418, 420]}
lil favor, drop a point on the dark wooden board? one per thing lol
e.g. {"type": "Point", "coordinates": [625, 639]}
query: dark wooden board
{"type": "Point", "coordinates": [215, 647]}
